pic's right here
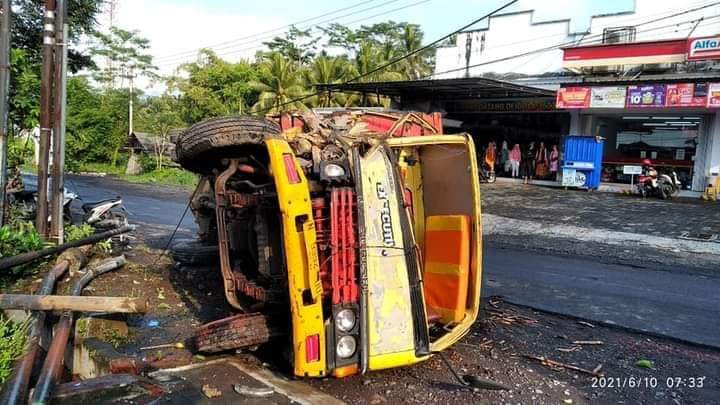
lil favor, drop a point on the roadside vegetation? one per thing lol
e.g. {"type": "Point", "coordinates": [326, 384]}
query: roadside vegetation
{"type": "Point", "coordinates": [99, 85]}
{"type": "Point", "coordinates": [12, 344]}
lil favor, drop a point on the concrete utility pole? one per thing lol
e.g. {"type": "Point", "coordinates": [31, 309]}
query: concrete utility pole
{"type": "Point", "coordinates": [4, 91]}
{"type": "Point", "coordinates": [46, 79]}
{"type": "Point", "coordinates": [58, 167]}
{"type": "Point", "coordinates": [131, 76]}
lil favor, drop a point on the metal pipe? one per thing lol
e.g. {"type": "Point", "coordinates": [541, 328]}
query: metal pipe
{"type": "Point", "coordinates": [57, 195]}
{"type": "Point", "coordinates": [5, 22]}
{"type": "Point", "coordinates": [46, 78]}
{"type": "Point", "coordinates": [15, 389]}
{"type": "Point", "coordinates": [53, 365]}
{"type": "Point", "coordinates": [30, 256]}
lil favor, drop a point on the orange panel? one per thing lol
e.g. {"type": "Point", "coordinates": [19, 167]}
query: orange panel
{"type": "Point", "coordinates": [446, 267]}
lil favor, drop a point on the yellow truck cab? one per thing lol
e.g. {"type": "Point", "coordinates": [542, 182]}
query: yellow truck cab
{"type": "Point", "coordinates": [358, 250]}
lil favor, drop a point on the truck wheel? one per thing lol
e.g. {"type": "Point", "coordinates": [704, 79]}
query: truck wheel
{"type": "Point", "coordinates": [200, 148]}
{"type": "Point", "coordinates": [193, 252]}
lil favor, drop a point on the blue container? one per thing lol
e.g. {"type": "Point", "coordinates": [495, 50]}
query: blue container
{"type": "Point", "coordinates": [584, 154]}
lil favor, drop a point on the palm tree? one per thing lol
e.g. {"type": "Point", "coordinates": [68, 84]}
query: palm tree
{"type": "Point", "coordinates": [327, 70]}
{"type": "Point", "coordinates": [370, 58]}
{"type": "Point", "coordinates": [416, 66]}
{"type": "Point", "coordinates": [279, 84]}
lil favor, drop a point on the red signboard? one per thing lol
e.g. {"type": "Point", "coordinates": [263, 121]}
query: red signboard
{"type": "Point", "coordinates": [686, 95]}
{"type": "Point", "coordinates": [573, 97]}
{"type": "Point", "coordinates": [632, 53]}
{"type": "Point", "coordinates": [703, 48]}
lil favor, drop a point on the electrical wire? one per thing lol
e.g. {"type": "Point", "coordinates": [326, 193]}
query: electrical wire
{"type": "Point", "coordinates": [395, 60]}
{"type": "Point", "coordinates": [296, 23]}
{"type": "Point", "coordinates": [269, 37]}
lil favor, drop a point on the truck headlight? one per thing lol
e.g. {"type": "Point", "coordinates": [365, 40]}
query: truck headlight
{"type": "Point", "coordinates": [333, 170]}
{"type": "Point", "coordinates": [346, 346]}
{"type": "Point", "coordinates": [345, 320]}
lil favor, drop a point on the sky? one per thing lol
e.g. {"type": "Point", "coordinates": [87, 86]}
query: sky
{"type": "Point", "coordinates": [235, 29]}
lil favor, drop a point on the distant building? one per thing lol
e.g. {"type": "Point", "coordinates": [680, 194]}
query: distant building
{"type": "Point", "coordinates": [481, 52]}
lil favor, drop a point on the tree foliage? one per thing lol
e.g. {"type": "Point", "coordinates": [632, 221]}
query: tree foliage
{"type": "Point", "coordinates": [125, 53]}
{"type": "Point", "coordinates": [211, 87]}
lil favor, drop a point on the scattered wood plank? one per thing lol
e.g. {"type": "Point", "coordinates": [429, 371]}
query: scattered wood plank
{"type": "Point", "coordinates": [72, 303]}
{"type": "Point", "coordinates": [553, 363]}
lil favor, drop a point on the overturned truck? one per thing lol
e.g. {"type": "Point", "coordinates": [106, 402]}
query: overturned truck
{"type": "Point", "coordinates": [353, 236]}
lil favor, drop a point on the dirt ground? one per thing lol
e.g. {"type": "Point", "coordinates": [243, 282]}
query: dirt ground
{"type": "Point", "coordinates": [182, 298]}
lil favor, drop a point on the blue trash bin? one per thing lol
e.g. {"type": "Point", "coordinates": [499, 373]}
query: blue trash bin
{"type": "Point", "coordinates": [582, 163]}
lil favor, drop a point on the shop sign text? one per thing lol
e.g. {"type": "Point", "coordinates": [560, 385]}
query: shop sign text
{"type": "Point", "coordinates": [573, 97]}
{"type": "Point", "coordinates": [714, 95]}
{"type": "Point", "coordinates": [646, 96]}
{"type": "Point", "coordinates": [686, 95]}
{"type": "Point", "coordinates": [704, 48]}
{"type": "Point", "coordinates": [608, 97]}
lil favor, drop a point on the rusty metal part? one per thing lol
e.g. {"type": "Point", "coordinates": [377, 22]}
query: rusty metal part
{"type": "Point", "coordinates": [225, 199]}
{"type": "Point", "coordinates": [30, 256]}
{"type": "Point", "coordinates": [53, 365]}
{"type": "Point", "coordinates": [15, 389]}
{"type": "Point", "coordinates": [235, 332]}
{"type": "Point", "coordinates": [111, 388]}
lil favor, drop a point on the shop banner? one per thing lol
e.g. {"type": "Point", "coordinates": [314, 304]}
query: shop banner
{"type": "Point", "coordinates": [573, 97]}
{"type": "Point", "coordinates": [608, 97]}
{"type": "Point", "coordinates": [714, 95]}
{"type": "Point", "coordinates": [646, 96]}
{"type": "Point", "coordinates": [686, 95]}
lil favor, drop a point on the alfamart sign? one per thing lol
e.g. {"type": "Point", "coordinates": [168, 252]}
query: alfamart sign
{"type": "Point", "coordinates": [704, 48]}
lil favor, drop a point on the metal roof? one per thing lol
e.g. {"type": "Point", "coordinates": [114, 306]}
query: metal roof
{"type": "Point", "coordinates": [439, 89]}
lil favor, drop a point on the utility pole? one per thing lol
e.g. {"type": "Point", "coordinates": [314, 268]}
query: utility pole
{"type": "Point", "coordinates": [46, 78]}
{"type": "Point", "coordinates": [4, 91]}
{"type": "Point", "coordinates": [131, 76]}
{"type": "Point", "coordinates": [58, 167]}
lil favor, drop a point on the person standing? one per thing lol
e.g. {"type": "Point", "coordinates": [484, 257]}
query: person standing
{"type": "Point", "coordinates": [515, 157]}
{"type": "Point", "coordinates": [554, 162]}
{"type": "Point", "coordinates": [491, 156]}
{"type": "Point", "coordinates": [527, 165]}
{"type": "Point", "coordinates": [505, 158]}
{"type": "Point", "coordinates": [541, 162]}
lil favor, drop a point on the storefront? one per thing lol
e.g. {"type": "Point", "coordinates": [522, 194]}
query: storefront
{"type": "Point", "coordinates": [675, 125]}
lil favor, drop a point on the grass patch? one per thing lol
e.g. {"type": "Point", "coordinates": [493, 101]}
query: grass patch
{"type": "Point", "coordinates": [12, 344]}
{"type": "Point", "coordinates": [167, 176]}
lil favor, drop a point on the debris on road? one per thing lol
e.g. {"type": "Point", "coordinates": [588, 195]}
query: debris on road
{"type": "Point", "coordinates": [644, 363]}
{"type": "Point", "coordinates": [210, 391]}
{"type": "Point", "coordinates": [588, 324]}
{"type": "Point", "coordinates": [556, 364]}
{"type": "Point", "coordinates": [178, 345]}
{"type": "Point", "coordinates": [72, 303]}
{"type": "Point", "coordinates": [588, 342]}
{"type": "Point", "coordinates": [253, 391]}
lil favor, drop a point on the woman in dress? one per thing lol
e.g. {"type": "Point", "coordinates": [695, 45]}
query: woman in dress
{"type": "Point", "coordinates": [515, 157]}
{"type": "Point", "coordinates": [554, 162]}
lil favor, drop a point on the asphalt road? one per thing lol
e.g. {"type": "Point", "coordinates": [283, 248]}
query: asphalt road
{"type": "Point", "coordinates": [675, 304]}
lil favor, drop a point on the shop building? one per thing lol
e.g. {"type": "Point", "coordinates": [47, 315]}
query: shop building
{"type": "Point", "coordinates": [657, 100]}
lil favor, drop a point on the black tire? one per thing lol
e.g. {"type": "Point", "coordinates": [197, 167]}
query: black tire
{"type": "Point", "coordinates": [200, 147]}
{"type": "Point", "coordinates": [491, 177]}
{"type": "Point", "coordinates": [194, 252]}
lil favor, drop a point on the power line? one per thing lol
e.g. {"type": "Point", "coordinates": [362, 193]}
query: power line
{"type": "Point", "coordinates": [386, 12]}
{"type": "Point", "coordinates": [396, 60]}
{"type": "Point", "coordinates": [561, 45]}
{"type": "Point", "coordinates": [272, 30]}
{"type": "Point", "coordinates": [258, 38]}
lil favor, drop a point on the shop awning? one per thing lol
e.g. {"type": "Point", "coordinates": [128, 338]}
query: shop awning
{"type": "Point", "coordinates": [631, 53]}
{"type": "Point", "coordinates": [444, 89]}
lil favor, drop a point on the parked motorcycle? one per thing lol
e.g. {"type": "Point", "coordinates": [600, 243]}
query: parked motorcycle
{"type": "Point", "coordinates": [486, 175]}
{"type": "Point", "coordinates": [105, 215]}
{"type": "Point", "coordinates": [651, 183]}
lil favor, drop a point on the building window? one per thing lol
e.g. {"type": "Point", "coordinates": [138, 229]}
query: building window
{"type": "Point", "coordinates": [617, 35]}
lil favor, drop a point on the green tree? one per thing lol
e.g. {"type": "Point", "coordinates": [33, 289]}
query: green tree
{"type": "Point", "coordinates": [279, 84]}
{"type": "Point", "coordinates": [211, 87]}
{"type": "Point", "coordinates": [326, 70]}
{"type": "Point", "coordinates": [420, 64]}
{"type": "Point", "coordinates": [160, 116]}
{"type": "Point", "coordinates": [298, 45]}
{"type": "Point", "coordinates": [28, 26]}
{"type": "Point", "coordinates": [24, 90]}
{"type": "Point", "coordinates": [126, 55]}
